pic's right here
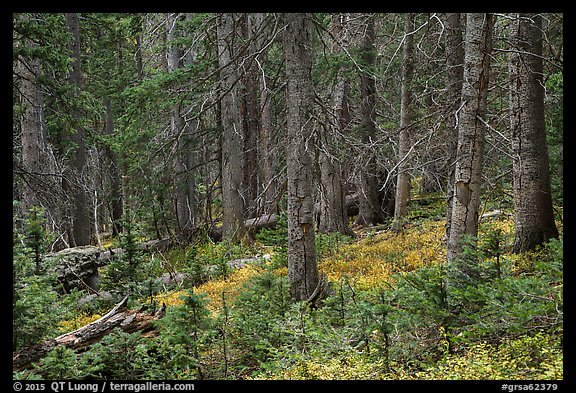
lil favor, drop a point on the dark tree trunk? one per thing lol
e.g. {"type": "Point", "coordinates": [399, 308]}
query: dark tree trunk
{"type": "Point", "coordinates": [232, 134]}
{"type": "Point", "coordinates": [116, 204]}
{"type": "Point", "coordinates": [403, 179]}
{"type": "Point", "coordinates": [534, 216]}
{"type": "Point", "coordinates": [369, 212]}
{"type": "Point", "coordinates": [302, 264]}
{"type": "Point", "coordinates": [80, 210]}
{"type": "Point", "coordinates": [333, 214]}
{"type": "Point", "coordinates": [268, 183]}
{"type": "Point", "coordinates": [30, 130]}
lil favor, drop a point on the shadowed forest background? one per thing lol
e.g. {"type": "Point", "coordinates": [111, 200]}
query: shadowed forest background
{"type": "Point", "coordinates": [287, 196]}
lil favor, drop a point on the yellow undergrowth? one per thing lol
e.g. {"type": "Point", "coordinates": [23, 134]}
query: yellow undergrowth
{"type": "Point", "coordinates": [82, 319]}
{"type": "Point", "coordinates": [372, 260]}
{"type": "Point", "coordinates": [213, 289]}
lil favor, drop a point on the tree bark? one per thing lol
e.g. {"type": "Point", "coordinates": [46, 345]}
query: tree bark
{"type": "Point", "coordinates": [30, 129]}
{"type": "Point", "coordinates": [80, 209]}
{"type": "Point", "coordinates": [403, 180]}
{"type": "Point", "coordinates": [471, 129]}
{"type": "Point", "coordinates": [232, 134]}
{"type": "Point", "coordinates": [117, 205]}
{"type": "Point", "coordinates": [369, 211]}
{"type": "Point", "coordinates": [250, 113]}
{"type": "Point", "coordinates": [269, 182]}
{"type": "Point", "coordinates": [302, 263]}
{"type": "Point", "coordinates": [454, 53]}
{"type": "Point", "coordinates": [333, 217]}
{"type": "Point", "coordinates": [533, 212]}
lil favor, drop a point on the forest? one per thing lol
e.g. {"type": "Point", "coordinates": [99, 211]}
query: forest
{"type": "Point", "coordinates": [287, 196]}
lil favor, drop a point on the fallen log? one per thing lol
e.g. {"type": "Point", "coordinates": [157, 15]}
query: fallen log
{"type": "Point", "coordinates": [119, 317]}
{"type": "Point", "coordinates": [77, 267]}
{"type": "Point", "coordinates": [265, 221]}
{"type": "Point", "coordinates": [251, 225]}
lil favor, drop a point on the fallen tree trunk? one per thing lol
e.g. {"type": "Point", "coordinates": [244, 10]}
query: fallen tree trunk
{"type": "Point", "coordinates": [77, 267]}
{"type": "Point", "coordinates": [251, 224]}
{"type": "Point", "coordinates": [128, 320]}
{"type": "Point", "coordinates": [265, 221]}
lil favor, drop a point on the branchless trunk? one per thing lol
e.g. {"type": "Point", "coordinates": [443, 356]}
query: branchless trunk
{"type": "Point", "coordinates": [471, 129]}
{"type": "Point", "coordinates": [534, 216]}
{"type": "Point", "coordinates": [80, 210]}
{"type": "Point", "coordinates": [30, 128]}
{"type": "Point", "coordinates": [232, 143]}
{"type": "Point", "coordinates": [454, 53]}
{"type": "Point", "coordinates": [302, 264]}
{"type": "Point", "coordinates": [369, 212]}
{"type": "Point", "coordinates": [250, 113]}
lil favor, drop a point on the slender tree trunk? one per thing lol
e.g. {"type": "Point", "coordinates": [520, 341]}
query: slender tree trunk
{"type": "Point", "coordinates": [232, 130]}
{"type": "Point", "coordinates": [117, 208]}
{"type": "Point", "coordinates": [471, 129]}
{"type": "Point", "coordinates": [534, 216]}
{"type": "Point", "coordinates": [182, 134]}
{"type": "Point", "coordinates": [250, 113]}
{"type": "Point", "coordinates": [80, 209]}
{"type": "Point", "coordinates": [369, 211]}
{"type": "Point", "coordinates": [333, 213]}
{"type": "Point", "coordinates": [269, 182]}
{"type": "Point", "coordinates": [302, 264]}
{"type": "Point", "coordinates": [455, 69]}
{"type": "Point", "coordinates": [403, 180]}
{"type": "Point", "coordinates": [30, 130]}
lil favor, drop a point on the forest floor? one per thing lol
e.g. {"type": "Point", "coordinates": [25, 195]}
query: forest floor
{"type": "Point", "coordinates": [387, 314]}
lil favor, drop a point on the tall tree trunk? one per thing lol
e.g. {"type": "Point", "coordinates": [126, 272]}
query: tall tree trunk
{"type": "Point", "coordinates": [269, 182]}
{"type": "Point", "coordinates": [80, 208]}
{"type": "Point", "coordinates": [369, 211]}
{"type": "Point", "coordinates": [454, 53]}
{"type": "Point", "coordinates": [471, 129]}
{"type": "Point", "coordinates": [232, 134]}
{"type": "Point", "coordinates": [116, 204]}
{"type": "Point", "coordinates": [403, 180]}
{"type": "Point", "coordinates": [333, 213]}
{"type": "Point", "coordinates": [534, 216]}
{"type": "Point", "coordinates": [30, 129]}
{"type": "Point", "coordinates": [182, 133]}
{"type": "Point", "coordinates": [250, 112]}
{"type": "Point", "coordinates": [302, 264]}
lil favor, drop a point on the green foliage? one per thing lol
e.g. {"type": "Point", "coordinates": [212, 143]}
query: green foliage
{"type": "Point", "coordinates": [537, 357]}
{"type": "Point", "coordinates": [276, 236]}
{"type": "Point", "coordinates": [34, 314]}
{"type": "Point", "coordinates": [187, 330]}
{"type": "Point", "coordinates": [327, 244]}
{"type": "Point", "coordinates": [63, 363]}
{"type": "Point", "coordinates": [131, 271]}
{"type": "Point", "coordinates": [116, 357]}
{"type": "Point", "coordinates": [34, 311]}
{"type": "Point", "coordinates": [258, 313]}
